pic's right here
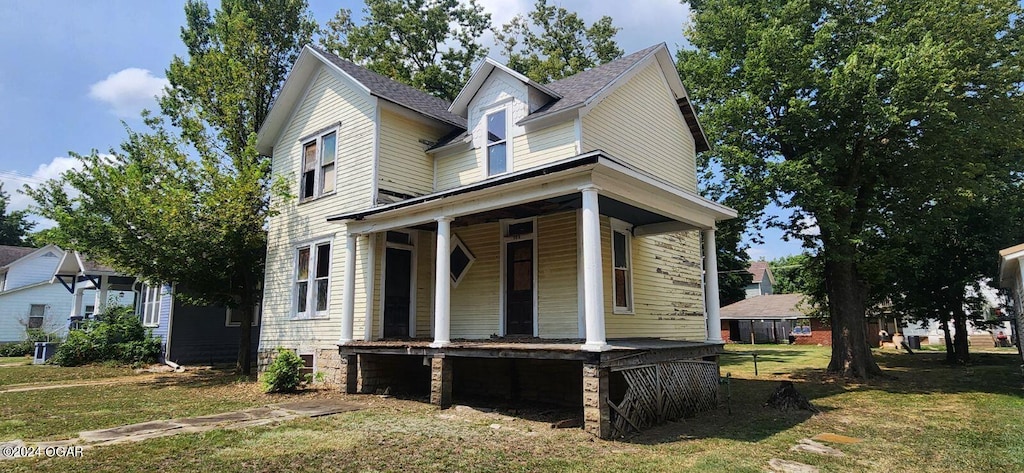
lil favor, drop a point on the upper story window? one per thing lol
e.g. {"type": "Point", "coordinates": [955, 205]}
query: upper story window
{"type": "Point", "coordinates": [318, 176]}
{"type": "Point", "coordinates": [312, 280]}
{"type": "Point", "coordinates": [497, 149]}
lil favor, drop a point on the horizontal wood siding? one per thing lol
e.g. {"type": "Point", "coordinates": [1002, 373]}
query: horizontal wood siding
{"type": "Point", "coordinates": [426, 247]}
{"type": "Point", "coordinates": [404, 166]}
{"type": "Point", "coordinates": [328, 101]}
{"type": "Point", "coordinates": [543, 146]}
{"type": "Point", "coordinates": [475, 302]}
{"type": "Point", "coordinates": [640, 124]}
{"type": "Point", "coordinates": [15, 306]}
{"type": "Point", "coordinates": [37, 269]}
{"type": "Point", "coordinates": [459, 169]}
{"type": "Point", "coordinates": [667, 294]}
{"type": "Point", "coordinates": [557, 300]}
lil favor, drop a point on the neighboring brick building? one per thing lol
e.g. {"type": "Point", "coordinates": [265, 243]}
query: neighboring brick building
{"type": "Point", "coordinates": [771, 318]}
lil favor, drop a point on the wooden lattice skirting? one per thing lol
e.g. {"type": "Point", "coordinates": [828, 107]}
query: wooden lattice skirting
{"type": "Point", "coordinates": [664, 391]}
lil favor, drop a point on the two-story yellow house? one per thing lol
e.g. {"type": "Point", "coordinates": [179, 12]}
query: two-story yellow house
{"type": "Point", "coordinates": [525, 242]}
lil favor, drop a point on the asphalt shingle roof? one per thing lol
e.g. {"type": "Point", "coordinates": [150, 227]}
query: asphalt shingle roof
{"type": "Point", "coordinates": [396, 92]}
{"type": "Point", "coordinates": [758, 269]}
{"type": "Point", "coordinates": [10, 254]}
{"type": "Point", "coordinates": [578, 88]}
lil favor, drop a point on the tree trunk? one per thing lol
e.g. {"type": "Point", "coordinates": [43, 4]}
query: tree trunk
{"type": "Point", "coordinates": [960, 345]}
{"type": "Point", "coordinates": [243, 364]}
{"type": "Point", "coordinates": [851, 355]}
{"type": "Point", "coordinates": [950, 352]}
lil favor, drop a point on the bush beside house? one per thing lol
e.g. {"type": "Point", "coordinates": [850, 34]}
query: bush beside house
{"type": "Point", "coordinates": [116, 336]}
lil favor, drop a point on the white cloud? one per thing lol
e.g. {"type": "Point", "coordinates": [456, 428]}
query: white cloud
{"type": "Point", "coordinates": [13, 183]}
{"type": "Point", "coordinates": [809, 226]}
{"type": "Point", "coordinates": [129, 91]}
{"type": "Point", "coordinates": [644, 22]}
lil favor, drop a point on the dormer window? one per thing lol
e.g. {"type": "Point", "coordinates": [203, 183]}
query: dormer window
{"type": "Point", "coordinates": [318, 176]}
{"type": "Point", "coordinates": [497, 151]}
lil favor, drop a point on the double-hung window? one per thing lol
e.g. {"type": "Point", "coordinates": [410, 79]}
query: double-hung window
{"type": "Point", "coordinates": [318, 167]}
{"type": "Point", "coordinates": [312, 280]}
{"type": "Point", "coordinates": [151, 295]}
{"type": "Point", "coordinates": [622, 267]}
{"type": "Point", "coordinates": [36, 314]}
{"type": "Point", "coordinates": [497, 149]}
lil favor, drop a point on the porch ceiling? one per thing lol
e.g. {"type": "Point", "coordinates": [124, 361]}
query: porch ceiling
{"type": "Point", "coordinates": [625, 194]}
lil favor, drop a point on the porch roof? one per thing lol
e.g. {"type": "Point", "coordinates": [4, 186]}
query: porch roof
{"type": "Point", "coordinates": [633, 195]}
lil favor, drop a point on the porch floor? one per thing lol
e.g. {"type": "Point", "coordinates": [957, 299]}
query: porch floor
{"type": "Point", "coordinates": [623, 351]}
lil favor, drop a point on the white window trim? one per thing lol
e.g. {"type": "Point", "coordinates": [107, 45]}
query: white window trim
{"type": "Point", "coordinates": [505, 106]}
{"type": "Point", "coordinates": [149, 307]}
{"type": "Point", "coordinates": [42, 316]}
{"type": "Point", "coordinates": [505, 240]}
{"type": "Point", "coordinates": [627, 230]}
{"type": "Point", "coordinates": [318, 138]}
{"type": "Point", "coordinates": [412, 279]}
{"type": "Point", "coordinates": [456, 242]}
{"type": "Point", "coordinates": [255, 316]}
{"type": "Point", "coordinates": [311, 313]}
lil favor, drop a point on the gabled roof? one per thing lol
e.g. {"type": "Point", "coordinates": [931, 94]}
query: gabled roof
{"type": "Point", "coordinates": [73, 264]}
{"type": "Point", "coordinates": [769, 306]}
{"type": "Point", "coordinates": [461, 103]}
{"type": "Point", "coordinates": [760, 269]}
{"type": "Point", "coordinates": [582, 89]}
{"type": "Point", "coordinates": [10, 254]}
{"type": "Point", "coordinates": [368, 81]}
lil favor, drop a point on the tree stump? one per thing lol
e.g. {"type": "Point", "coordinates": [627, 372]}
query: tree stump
{"type": "Point", "coordinates": [786, 398]}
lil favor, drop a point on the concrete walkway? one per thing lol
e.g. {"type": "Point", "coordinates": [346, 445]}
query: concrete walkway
{"type": "Point", "coordinates": [165, 428]}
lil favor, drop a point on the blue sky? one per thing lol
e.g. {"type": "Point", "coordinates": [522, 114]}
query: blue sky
{"type": "Point", "coordinates": [67, 83]}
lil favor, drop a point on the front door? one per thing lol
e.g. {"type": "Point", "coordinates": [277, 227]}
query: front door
{"type": "Point", "coordinates": [397, 288]}
{"type": "Point", "coordinates": [519, 288]}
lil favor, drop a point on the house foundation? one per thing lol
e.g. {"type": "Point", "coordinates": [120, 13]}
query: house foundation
{"type": "Point", "coordinates": [629, 387]}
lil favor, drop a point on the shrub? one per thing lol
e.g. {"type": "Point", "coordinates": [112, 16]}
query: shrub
{"type": "Point", "coordinates": [283, 373]}
{"type": "Point", "coordinates": [116, 336]}
{"type": "Point", "coordinates": [23, 348]}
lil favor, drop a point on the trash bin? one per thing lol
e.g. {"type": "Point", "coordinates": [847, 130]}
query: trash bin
{"type": "Point", "coordinates": [914, 341]}
{"type": "Point", "coordinates": [43, 352]}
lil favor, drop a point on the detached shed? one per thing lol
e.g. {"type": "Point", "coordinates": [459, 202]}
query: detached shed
{"type": "Point", "coordinates": [771, 318]}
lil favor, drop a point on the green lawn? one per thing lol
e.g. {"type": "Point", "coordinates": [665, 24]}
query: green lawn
{"type": "Point", "coordinates": [30, 374]}
{"type": "Point", "coordinates": [15, 360]}
{"type": "Point", "coordinates": [926, 416]}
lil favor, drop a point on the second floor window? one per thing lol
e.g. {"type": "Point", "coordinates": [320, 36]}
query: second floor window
{"type": "Point", "coordinates": [318, 175]}
{"type": "Point", "coordinates": [497, 151]}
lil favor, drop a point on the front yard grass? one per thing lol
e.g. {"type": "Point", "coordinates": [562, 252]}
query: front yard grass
{"type": "Point", "coordinates": [926, 416]}
{"type": "Point", "coordinates": [31, 374]}
{"type": "Point", "coordinates": [15, 360]}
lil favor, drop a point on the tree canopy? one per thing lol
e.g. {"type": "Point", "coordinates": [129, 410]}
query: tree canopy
{"type": "Point", "coordinates": [551, 43]}
{"type": "Point", "coordinates": [191, 209]}
{"type": "Point", "coordinates": [14, 225]}
{"type": "Point", "coordinates": [831, 108]}
{"type": "Point", "coordinates": [428, 44]}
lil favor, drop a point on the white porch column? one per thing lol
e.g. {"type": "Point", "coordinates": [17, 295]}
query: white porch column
{"type": "Point", "coordinates": [76, 305]}
{"type": "Point", "coordinates": [100, 302]}
{"type": "Point", "coordinates": [711, 287]}
{"type": "Point", "coordinates": [442, 284]}
{"type": "Point", "coordinates": [348, 300]}
{"type": "Point", "coordinates": [593, 275]}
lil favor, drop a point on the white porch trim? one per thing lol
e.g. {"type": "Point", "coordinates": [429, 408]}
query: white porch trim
{"type": "Point", "coordinates": [348, 299]}
{"type": "Point", "coordinates": [593, 274]}
{"type": "Point", "coordinates": [442, 284]}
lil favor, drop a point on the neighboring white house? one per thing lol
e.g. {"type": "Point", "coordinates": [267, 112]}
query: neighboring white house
{"type": "Point", "coordinates": [31, 298]}
{"type": "Point", "coordinates": [763, 279]}
{"type": "Point", "coordinates": [1011, 276]}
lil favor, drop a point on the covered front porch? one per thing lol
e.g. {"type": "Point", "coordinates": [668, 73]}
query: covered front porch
{"type": "Point", "coordinates": [581, 261]}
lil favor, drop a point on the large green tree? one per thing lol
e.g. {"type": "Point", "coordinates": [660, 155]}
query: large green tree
{"type": "Point", "coordinates": [192, 208]}
{"type": "Point", "coordinates": [14, 225]}
{"type": "Point", "coordinates": [428, 44]}
{"type": "Point", "coordinates": [832, 106]}
{"type": "Point", "coordinates": [551, 43]}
